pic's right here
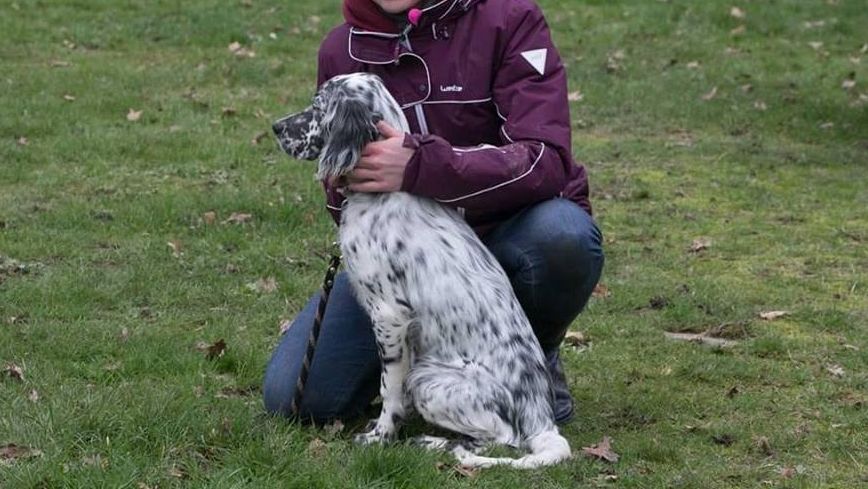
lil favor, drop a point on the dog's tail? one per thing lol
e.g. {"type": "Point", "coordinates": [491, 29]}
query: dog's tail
{"type": "Point", "coordinates": [546, 448]}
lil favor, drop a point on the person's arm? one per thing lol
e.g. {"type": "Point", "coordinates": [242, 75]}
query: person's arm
{"type": "Point", "coordinates": [532, 163]}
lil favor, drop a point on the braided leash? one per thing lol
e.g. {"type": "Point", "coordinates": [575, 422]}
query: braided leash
{"type": "Point", "coordinates": [327, 284]}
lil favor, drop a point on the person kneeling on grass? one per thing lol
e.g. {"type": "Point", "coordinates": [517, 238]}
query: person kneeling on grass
{"type": "Point", "coordinates": [485, 92]}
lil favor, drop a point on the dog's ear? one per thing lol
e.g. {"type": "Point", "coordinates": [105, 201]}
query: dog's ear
{"type": "Point", "coordinates": [348, 127]}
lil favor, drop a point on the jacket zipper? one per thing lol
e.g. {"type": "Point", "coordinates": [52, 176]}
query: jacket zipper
{"type": "Point", "coordinates": [420, 112]}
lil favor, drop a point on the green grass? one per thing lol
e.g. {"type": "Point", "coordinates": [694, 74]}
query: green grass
{"type": "Point", "coordinates": [106, 319]}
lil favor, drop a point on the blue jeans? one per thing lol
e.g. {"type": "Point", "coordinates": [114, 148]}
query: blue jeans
{"type": "Point", "coordinates": [552, 253]}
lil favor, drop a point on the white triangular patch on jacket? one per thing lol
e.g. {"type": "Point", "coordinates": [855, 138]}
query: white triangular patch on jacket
{"type": "Point", "coordinates": [537, 59]}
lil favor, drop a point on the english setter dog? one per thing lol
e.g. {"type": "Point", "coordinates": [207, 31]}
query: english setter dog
{"type": "Point", "coordinates": [453, 341]}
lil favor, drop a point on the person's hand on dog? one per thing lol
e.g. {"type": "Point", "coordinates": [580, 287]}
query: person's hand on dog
{"type": "Point", "coordinates": [381, 168]}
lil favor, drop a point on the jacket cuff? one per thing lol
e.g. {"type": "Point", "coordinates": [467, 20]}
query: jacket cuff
{"type": "Point", "coordinates": [411, 171]}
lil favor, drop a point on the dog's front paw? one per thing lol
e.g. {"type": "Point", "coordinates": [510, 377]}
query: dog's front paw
{"type": "Point", "coordinates": [376, 435]}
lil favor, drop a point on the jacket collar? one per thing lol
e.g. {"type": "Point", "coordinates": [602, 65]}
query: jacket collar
{"type": "Point", "coordinates": [366, 17]}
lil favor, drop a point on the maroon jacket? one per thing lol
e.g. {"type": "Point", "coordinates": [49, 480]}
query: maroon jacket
{"type": "Point", "coordinates": [485, 93]}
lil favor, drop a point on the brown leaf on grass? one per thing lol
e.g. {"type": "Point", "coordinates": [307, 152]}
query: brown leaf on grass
{"type": "Point", "coordinates": [258, 138]}
{"type": "Point", "coordinates": [317, 447]}
{"type": "Point", "coordinates": [263, 285]}
{"type": "Point", "coordinates": [212, 351]}
{"type": "Point", "coordinates": [57, 63]}
{"type": "Point", "coordinates": [68, 98]}
{"type": "Point", "coordinates": [176, 247]}
{"type": "Point", "coordinates": [209, 217]}
{"type": "Point", "coordinates": [762, 444]}
{"type": "Point", "coordinates": [815, 45]}
{"type": "Point", "coordinates": [13, 372]}
{"type": "Point", "coordinates": [813, 24]}
{"type": "Point", "coordinates": [710, 95]}
{"type": "Point", "coordinates": [11, 453]}
{"type": "Point", "coordinates": [738, 30]}
{"type": "Point", "coordinates": [772, 315]}
{"type": "Point", "coordinates": [701, 338]}
{"type": "Point", "coordinates": [285, 325]}
{"type": "Point", "coordinates": [33, 396]}
{"type": "Point", "coordinates": [238, 50]}
{"type": "Point", "coordinates": [228, 112]}
{"type": "Point", "coordinates": [760, 106]}
{"type": "Point", "coordinates": [736, 12]}
{"type": "Point", "coordinates": [134, 115]}
{"type": "Point", "coordinates": [848, 84]}
{"type": "Point", "coordinates": [124, 335]}
{"type": "Point", "coordinates": [22, 141]}
{"type": "Point", "coordinates": [835, 370]}
{"type": "Point", "coordinates": [700, 244]}
{"type": "Point", "coordinates": [602, 451]}
{"type": "Point", "coordinates": [95, 460]}
{"type": "Point", "coordinates": [601, 291]}
{"type": "Point", "coordinates": [576, 96]}
{"type": "Point", "coordinates": [238, 218]}
{"type": "Point", "coordinates": [576, 339]}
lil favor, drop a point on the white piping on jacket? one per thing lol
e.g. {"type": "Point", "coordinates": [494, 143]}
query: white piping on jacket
{"type": "Point", "coordinates": [479, 192]}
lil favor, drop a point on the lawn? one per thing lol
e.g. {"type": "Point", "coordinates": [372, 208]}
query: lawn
{"type": "Point", "coordinates": [146, 214]}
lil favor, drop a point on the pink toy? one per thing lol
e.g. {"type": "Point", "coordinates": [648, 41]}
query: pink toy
{"type": "Point", "coordinates": [414, 15]}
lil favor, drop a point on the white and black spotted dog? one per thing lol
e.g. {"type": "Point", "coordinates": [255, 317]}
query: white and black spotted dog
{"type": "Point", "coordinates": [453, 340]}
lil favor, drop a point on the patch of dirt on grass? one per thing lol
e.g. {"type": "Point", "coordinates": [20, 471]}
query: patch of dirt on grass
{"type": "Point", "coordinates": [10, 267]}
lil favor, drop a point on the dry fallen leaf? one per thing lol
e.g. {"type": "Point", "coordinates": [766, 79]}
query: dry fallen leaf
{"type": "Point", "coordinates": [238, 218]}
{"type": "Point", "coordinates": [575, 339]}
{"type": "Point", "coordinates": [134, 115]}
{"type": "Point", "coordinates": [317, 447]}
{"type": "Point", "coordinates": [228, 112]}
{"type": "Point", "coordinates": [95, 460]}
{"type": "Point", "coordinates": [22, 141]}
{"type": "Point", "coordinates": [238, 50]}
{"type": "Point", "coordinates": [738, 30]}
{"type": "Point", "coordinates": [701, 338]}
{"type": "Point", "coordinates": [576, 96]}
{"type": "Point", "coordinates": [848, 84]}
{"type": "Point", "coordinates": [772, 315]}
{"type": "Point", "coordinates": [693, 65]}
{"type": "Point", "coordinates": [760, 105]}
{"type": "Point", "coordinates": [68, 98]}
{"type": "Point", "coordinates": [209, 217]}
{"type": "Point", "coordinates": [836, 370]}
{"type": "Point", "coordinates": [816, 45]}
{"type": "Point", "coordinates": [176, 247]}
{"type": "Point", "coordinates": [601, 291]}
{"type": "Point", "coordinates": [258, 138]}
{"type": "Point", "coordinates": [14, 372]}
{"type": "Point", "coordinates": [263, 285]}
{"type": "Point", "coordinates": [700, 244]}
{"type": "Point", "coordinates": [59, 63]}
{"type": "Point", "coordinates": [602, 451]}
{"type": "Point", "coordinates": [11, 453]}
{"type": "Point", "coordinates": [124, 335]}
{"type": "Point", "coordinates": [33, 396]}
{"type": "Point", "coordinates": [811, 24]}
{"type": "Point", "coordinates": [711, 94]}
{"type": "Point", "coordinates": [736, 12]}
{"type": "Point", "coordinates": [216, 350]}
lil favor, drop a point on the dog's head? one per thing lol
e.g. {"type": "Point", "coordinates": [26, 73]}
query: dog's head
{"type": "Point", "coordinates": [339, 123]}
